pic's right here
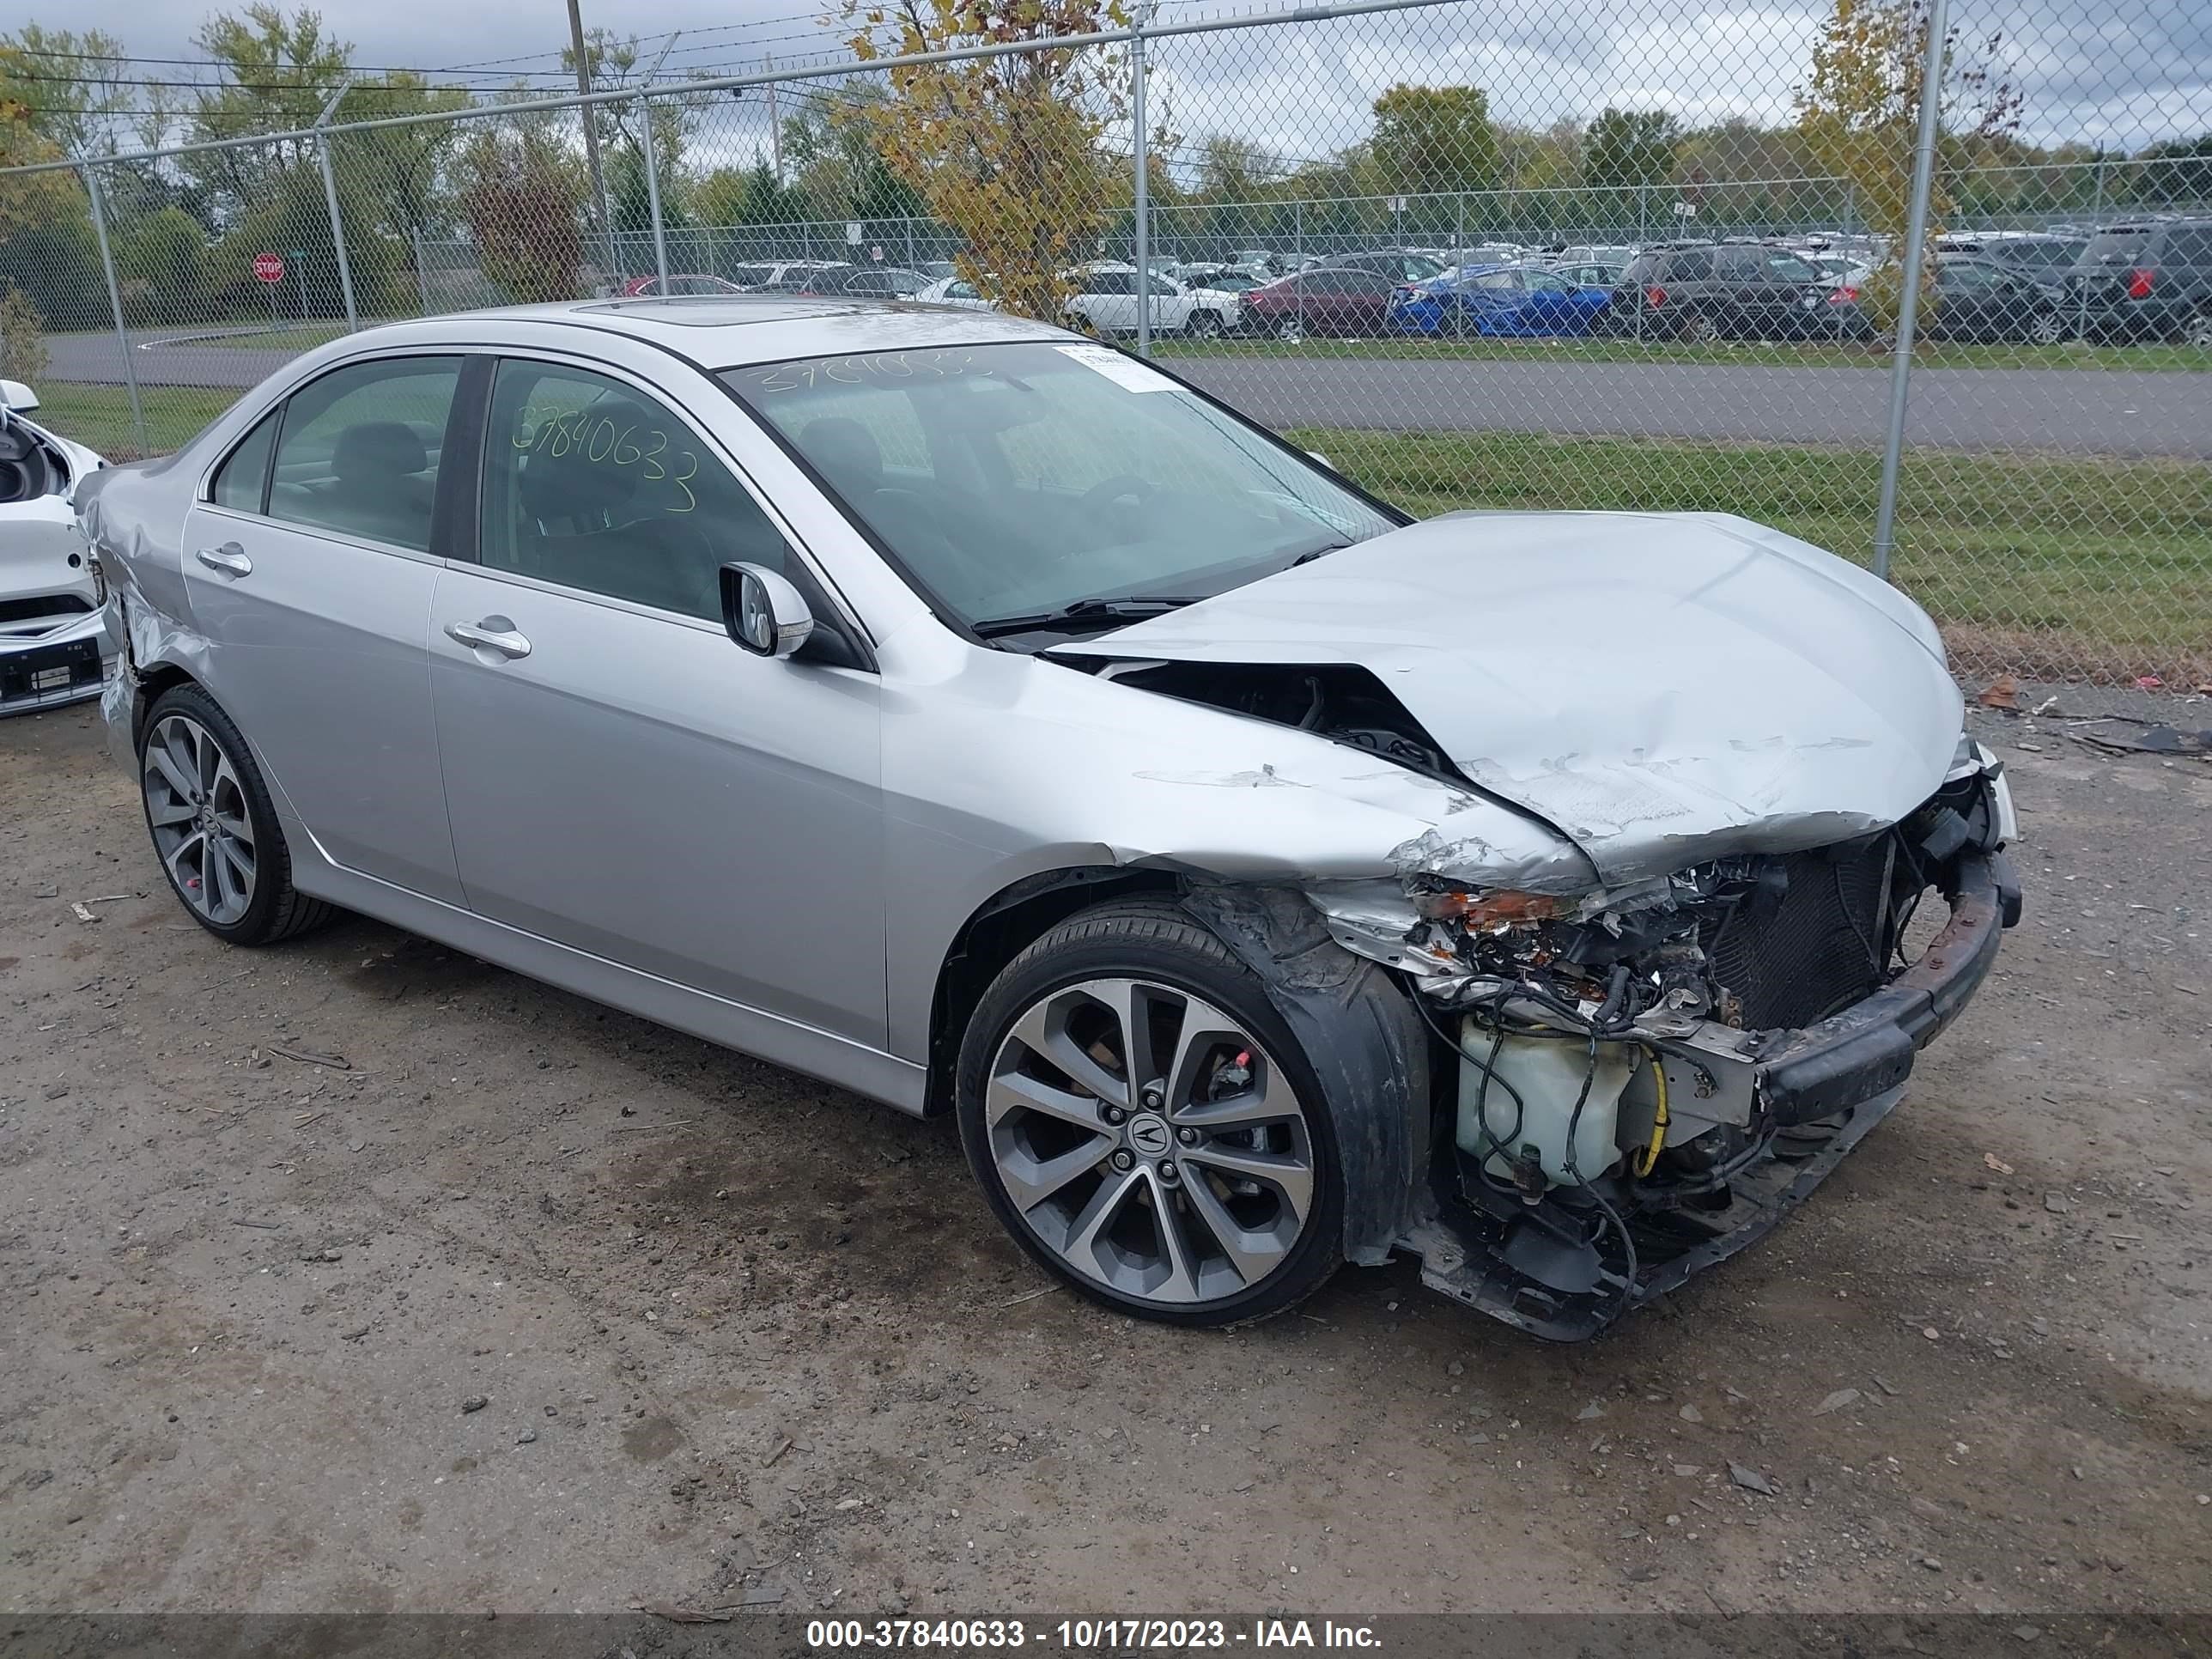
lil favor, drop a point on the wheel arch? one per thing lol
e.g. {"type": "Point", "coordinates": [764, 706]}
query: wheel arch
{"type": "Point", "coordinates": [1001, 928]}
{"type": "Point", "coordinates": [1375, 1057]}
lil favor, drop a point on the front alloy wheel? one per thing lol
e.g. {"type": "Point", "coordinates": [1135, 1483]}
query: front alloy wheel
{"type": "Point", "coordinates": [1140, 1120]}
{"type": "Point", "coordinates": [1290, 329]}
{"type": "Point", "coordinates": [2197, 330]}
{"type": "Point", "coordinates": [1204, 324]}
{"type": "Point", "coordinates": [2046, 328]}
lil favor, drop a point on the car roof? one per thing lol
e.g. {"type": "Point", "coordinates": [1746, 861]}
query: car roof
{"type": "Point", "coordinates": [734, 330]}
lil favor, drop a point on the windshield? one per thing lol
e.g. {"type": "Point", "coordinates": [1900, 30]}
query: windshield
{"type": "Point", "coordinates": [1020, 479]}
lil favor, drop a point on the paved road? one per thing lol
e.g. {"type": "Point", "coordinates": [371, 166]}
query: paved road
{"type": "Point", "coordinates": [2083, 412]}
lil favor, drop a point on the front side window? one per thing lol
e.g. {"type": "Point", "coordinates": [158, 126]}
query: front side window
{"type": "Point", "coordinates": [1021, 478]}
{"type": "Point", "coordinates": [358, 451]}
{"type": "Point", "coordinates": [592, 484]}
{"type": "Point", "coordinates": [1696, 267]}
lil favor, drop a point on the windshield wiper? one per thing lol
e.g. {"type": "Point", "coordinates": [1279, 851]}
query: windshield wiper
{"type": "Point", "coordinates": [1083, 614]}
{"type": "Point", "coordinates": [1335, 545]}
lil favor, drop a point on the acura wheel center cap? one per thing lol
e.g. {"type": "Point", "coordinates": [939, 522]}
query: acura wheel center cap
{"type": "Point", "coordinates": [1149, 1135]}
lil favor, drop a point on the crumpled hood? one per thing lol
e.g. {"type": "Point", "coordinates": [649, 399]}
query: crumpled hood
{"type": "Point", "coordinates": [1663, 688]}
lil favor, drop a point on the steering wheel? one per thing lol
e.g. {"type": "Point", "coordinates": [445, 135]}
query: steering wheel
{"type": "Point", "coordinates": [1109, 495]}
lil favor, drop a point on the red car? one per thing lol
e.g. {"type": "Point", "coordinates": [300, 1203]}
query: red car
{"type": "Point", "coordinates": [646, 288]}
{"type": "Point", "coordinates": [1333, 300]}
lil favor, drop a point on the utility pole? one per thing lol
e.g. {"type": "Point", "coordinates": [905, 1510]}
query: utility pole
{"type": "Point", "coordinates": [591, 134]}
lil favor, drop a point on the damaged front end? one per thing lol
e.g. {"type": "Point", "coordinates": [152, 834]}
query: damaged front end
{"type": "Point", "coordinates": [1649, 1075]}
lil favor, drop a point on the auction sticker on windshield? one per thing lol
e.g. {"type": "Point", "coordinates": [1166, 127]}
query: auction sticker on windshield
{"type": "Point", "coordinates": [1122, 371]}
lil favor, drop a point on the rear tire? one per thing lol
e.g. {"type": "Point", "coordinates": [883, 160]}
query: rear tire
{"type": "Point", "coordinates": [1204, 324]}
{"type": "Point", "coordinates": [214, 827]}
{"type": "Point", "coordinates": [2197, 330]}
{"type": "Point", "coordinates": [1290, 331]}
{"type": "Point", "coordinates": [1198, 1186]}
{"type": "Point", "coordinates": [1697, 329]}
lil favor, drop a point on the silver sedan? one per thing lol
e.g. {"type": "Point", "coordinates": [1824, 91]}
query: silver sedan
{"type": "Point", "coordinates": [976, 717]}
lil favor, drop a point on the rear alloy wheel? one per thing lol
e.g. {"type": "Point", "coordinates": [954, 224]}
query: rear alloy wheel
{"type": "Point", "coordinates": [2046, 328]}
{"type": "Point", "coordinates": [1142, 1122]}
{"type": "Point", "coordinates": [214, 828]}
{"type": "Point", "coordinates": [1290, 329]}
{"type": "Point", "coordinates": [1204, 324]}
{"type": "Point", "coordinates": [1696, 328]}
{"type": "Point", "coordinates": [2197, 330]}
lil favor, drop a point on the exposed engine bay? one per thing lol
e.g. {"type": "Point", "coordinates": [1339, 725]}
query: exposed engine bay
{"type": "Point", "coordinates": [1614, 1119]}
{"type": "Point", "coordinates": [1614, 1124]}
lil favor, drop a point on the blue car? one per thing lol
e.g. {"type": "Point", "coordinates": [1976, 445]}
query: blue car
{"type": "Point", "coordinates": [1520, 301]}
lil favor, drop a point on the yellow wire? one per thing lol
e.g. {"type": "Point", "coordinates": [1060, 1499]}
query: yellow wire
{"type": "Point", "coordinates": [1650, 1157]}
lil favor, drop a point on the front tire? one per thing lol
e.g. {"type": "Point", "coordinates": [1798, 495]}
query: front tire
{"type": "Point", "coordinates": [1290, 331]}
{"type": "Point", "coordinates": [213, 825]}
{"type": "Point", "coordinates": [1144, 1124]}
{"type": "Point", "coordinates": [1204, 324]}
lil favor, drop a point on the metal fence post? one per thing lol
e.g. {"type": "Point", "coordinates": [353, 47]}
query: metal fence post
{"type": "Point", "coordinates": [1908, 307]}
{"type": "Point", "coordinates": [652, 165]}
{"type": "Point", "coordinates": [115, 303]}
{"type": "Point", "coordinates": [1144, 203]}
{"type": "Point", "coordinates": [422, 269]}
{"type": "Point", "coordinates": [330, 195]}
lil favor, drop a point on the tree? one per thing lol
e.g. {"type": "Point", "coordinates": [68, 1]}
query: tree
{"type": "Point", "coordinates": [2176, 173]}
{"type": "Point", "coordinates": [276, 72]}
{"type": "Point", "coordinates": [1433, 140]}
{"type": "Point", "coordinates": [522, 193]}
{"type": "Point", "coordinates": [749, 196]}
{"type": "Point", "coordinates": [1861, 111]}
{"type": "Point", "coordinates": [832, 146]}
{"type": "Point", "coordinates": [1627, 149]}
{"type": "Point", "coordinates": [1004, 151]}
{"type": "Point", "coordinates": [75, 89]}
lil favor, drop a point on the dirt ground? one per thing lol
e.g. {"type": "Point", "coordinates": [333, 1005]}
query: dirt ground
{"type": "Point", "coordinates": [738, 1335]}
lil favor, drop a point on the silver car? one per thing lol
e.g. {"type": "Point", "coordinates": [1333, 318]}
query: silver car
{"type": "Point", "coordinates": [976, 717]}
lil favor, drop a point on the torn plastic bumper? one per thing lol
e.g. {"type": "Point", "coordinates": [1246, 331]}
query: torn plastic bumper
{"type": "Point", "coordinates": [1870, 1046]}
{"type": "Point", "coordinates": [1819, 1091]}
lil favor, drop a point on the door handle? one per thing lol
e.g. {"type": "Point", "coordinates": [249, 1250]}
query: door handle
{"type": "Point", "coordinates": [491, 635]}
{"type": "Point", "coordinates": [230, 558]}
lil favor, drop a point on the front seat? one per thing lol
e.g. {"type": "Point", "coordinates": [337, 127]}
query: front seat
{"type": "Point", "coordinates": [379, 486]}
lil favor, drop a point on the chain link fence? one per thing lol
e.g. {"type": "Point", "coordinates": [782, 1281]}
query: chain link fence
{"type": "Point", "coordinates": [1533, 259]}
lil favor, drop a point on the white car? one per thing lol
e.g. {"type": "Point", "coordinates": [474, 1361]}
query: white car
{"type": "Point", "coordinates": [956, 291]}
{"type": "Point", "coordinates": [52, 646]}
{"type": "Point", "coordinates": [1105, 302]}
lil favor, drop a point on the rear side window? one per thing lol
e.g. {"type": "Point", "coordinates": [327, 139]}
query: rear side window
{"type": "Point", "coordinates": [592, 484]}
{"type": "Point", "coordinates": [359, 450]}
{"type": "Point", "coordinates": [1694, 267]}
{"type": "Point", "coordinates": [242, 483]}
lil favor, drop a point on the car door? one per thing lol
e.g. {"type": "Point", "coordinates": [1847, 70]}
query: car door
{"type": "Point", "coordinates": [1365, 297]}
{"type": "Point", "coordinates": [1968, 301]}
{"type": "Point", "coordinates": [620, 777]}
{"type": "Point", "coordinates": [309, 567]}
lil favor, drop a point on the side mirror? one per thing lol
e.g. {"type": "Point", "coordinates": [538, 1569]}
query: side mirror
{"type": "Point", "coordinates": [17, 396]}
{"type": "Point", "coordinates": [763, 612]}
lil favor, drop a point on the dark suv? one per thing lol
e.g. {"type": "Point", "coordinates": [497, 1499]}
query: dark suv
{"type": "Point", "coordinates": [2150, 279]}
{"type": "Point", "coordinates": [1728, 290]}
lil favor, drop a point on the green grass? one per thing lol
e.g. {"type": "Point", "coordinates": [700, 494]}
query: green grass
{"type": "Point", "coordinates": [2057, 566]}
{"type": "Point", "coordinates": [1833, 355]}
{"type": "Point", "coordinates": [2062, 567]}
{"type": "Point", "coordinates": [99, 416]}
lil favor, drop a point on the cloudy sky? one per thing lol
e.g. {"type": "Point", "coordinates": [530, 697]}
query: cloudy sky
{"type": "Point", "coordinates": [2125, 72]}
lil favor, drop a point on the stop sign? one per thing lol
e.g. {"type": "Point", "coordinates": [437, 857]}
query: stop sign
{"type": "Point", "coordinates": [268, 268]}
